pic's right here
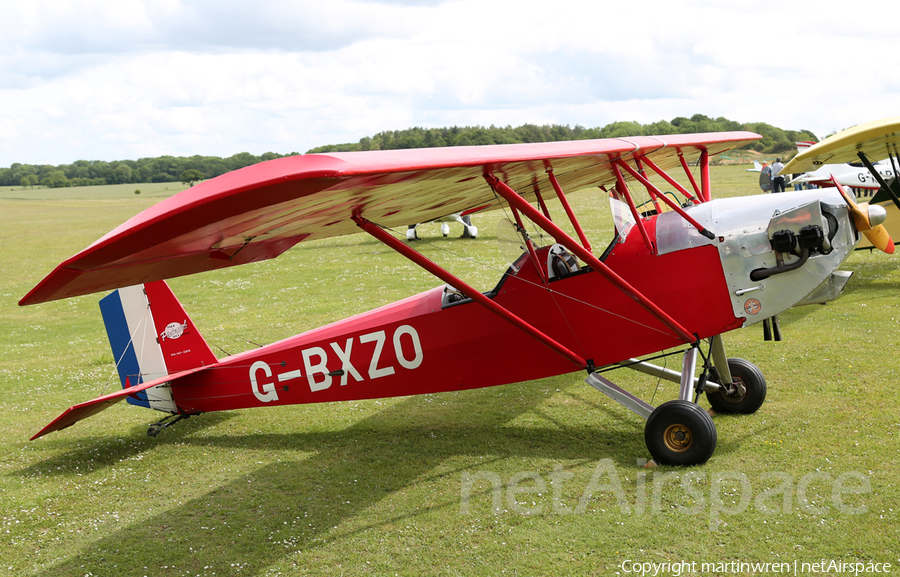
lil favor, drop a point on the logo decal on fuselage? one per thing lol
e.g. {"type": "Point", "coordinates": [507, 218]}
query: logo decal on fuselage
{"type": "Point", "coordinates": [407, 351]}
{"type": "Point", "coordinates": [752, 306]}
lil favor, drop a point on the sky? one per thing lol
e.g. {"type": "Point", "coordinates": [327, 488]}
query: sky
{"type": "Point", "coordinates": [127, 79]}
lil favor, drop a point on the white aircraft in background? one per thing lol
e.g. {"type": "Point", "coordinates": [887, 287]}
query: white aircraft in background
{"type": "Point", "coordinates": [860, 144]}
{"type": "Point", "coordinates": [852, 174]}
{"type": "Point", "coordinates": [469, 230]}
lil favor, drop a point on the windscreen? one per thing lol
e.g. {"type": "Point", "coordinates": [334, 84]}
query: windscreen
{"type": "Point", "coordinates": [622, 216]}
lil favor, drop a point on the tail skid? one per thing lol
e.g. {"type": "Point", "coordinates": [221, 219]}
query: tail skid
{"type": "Point", "coordinates": [153, 342]}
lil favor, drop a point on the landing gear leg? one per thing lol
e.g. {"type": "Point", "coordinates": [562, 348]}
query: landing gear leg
{"type": "Point", "coordinates": [772, 332]}
{"type": "Point", "coordinates": [680, 432]}
{"type": "Point", "coordinates": [158, 426]}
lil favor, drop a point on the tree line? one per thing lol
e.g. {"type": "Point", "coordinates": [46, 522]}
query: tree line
{"type": "Point", "coordinates": [774, 140]}
{"type": "Point", "coordinates": [97, 172]}
{"type": "Point", "coordinates": [191, 169]}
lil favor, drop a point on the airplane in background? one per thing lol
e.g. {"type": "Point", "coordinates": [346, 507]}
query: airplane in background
{"type": "Point", "coordinates": [674, 279]}
{"type": "Point", "coordinates": [465, 219]}
{"type": "Point", "coordinates": [845, 159]}
{"type": "Point", "coordinates": [853, 174]}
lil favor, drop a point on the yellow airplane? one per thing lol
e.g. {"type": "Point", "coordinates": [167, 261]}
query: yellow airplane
{"type": "Point", "coordinates": [878, 139]}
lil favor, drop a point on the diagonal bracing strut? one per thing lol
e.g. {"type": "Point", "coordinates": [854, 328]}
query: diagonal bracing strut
{"type": "Point", "coordinates": [474, 294]}
{"type": "Point", "coordinates": [514, 199]}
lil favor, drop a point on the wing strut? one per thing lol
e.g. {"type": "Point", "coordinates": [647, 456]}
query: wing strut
{"type": "Point", "coordinates": [654, 197]}
{"type": "Point", "coordinates": [537, 192]}
{"type": "Point", "coordinates": [670, 180]}
{"type": "Point", "coordinates": [622, 188]}
{"type": "Point", "coordinates": [529, 245]}
{"type": "Point", "coordinates": [865, 159]}
{"type": "Point", "coordinates": [673, 205]}
{"type": "Point", "coordinates": [690, 175]}
{"type": "Point", "coordinates": [513, 198]}
{"type": "Point", "coordinates": [704, 176]}
{"type": "Point", "coordinates": [471, 292]}
{"type": "Point", "coordinates": [569, 212]}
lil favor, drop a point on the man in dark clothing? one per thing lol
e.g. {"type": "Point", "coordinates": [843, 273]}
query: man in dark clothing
{"type": "Point", "coordinates": [777, 178]}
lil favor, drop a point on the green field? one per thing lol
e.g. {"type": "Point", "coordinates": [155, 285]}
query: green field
{"type": "Point", "coordinates": [154, 190]}
{"type": "Point", "coordinates": [537, 478]}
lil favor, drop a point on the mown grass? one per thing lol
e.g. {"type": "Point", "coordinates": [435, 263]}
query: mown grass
{"type": "Point", "coordinates": [154, 190]}
{"type": "Point", "coordinates": [379, 487]}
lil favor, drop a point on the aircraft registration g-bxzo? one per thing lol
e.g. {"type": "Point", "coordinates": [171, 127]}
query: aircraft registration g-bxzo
{"type": "Point", "coordinates": [672, 278]}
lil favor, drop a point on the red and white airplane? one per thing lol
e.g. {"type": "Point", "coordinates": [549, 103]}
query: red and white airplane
{"type": "Point", "coordinates": [671, 278]}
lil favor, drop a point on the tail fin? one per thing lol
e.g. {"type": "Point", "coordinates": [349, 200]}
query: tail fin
{"type": "Point", "coordinates": [151, 336]}
{"type": "Point", "coordinates": [154, 343]}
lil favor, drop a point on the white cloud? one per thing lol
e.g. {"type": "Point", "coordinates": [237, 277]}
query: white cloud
{"type": "Point", "coordinates": [103, 79]}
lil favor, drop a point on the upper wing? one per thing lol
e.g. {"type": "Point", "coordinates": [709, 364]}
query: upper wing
{"type": "Point", "coordinates": [260, 211]}
{"type": "Point", "coordinates": [877, 139]}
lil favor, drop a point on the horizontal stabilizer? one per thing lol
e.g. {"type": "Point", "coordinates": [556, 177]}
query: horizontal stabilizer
{"type": "Point", "coordinates": [90, 408]}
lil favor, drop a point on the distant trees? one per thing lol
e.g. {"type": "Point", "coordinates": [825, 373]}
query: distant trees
{"type": "Point", "coordinates": [29, 180]}
{"type": "Point", "coordinates": [774, 139]}
{"type": "Point", "coordinates": [195, 168]}
{"type": "Point", "coordinates": [96, 172]}
{"type": "Point", "coordinates": [56, 179]}
{"type": "Point", "coordinates": [190, 176]}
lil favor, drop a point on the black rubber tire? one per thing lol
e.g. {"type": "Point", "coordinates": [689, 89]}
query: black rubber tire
{"type": "Point", "coordinates": [753, 381]}
{"type": "Point", "coordinates": [680, 433]}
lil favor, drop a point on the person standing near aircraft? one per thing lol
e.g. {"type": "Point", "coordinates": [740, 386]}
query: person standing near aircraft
{"type": "Point", "coordinates": [777, 178]}
{"type": "Point", "coordinates": [765, 177]}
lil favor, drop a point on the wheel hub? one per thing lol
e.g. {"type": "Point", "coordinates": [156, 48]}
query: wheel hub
{"type": "Point", "coordinates": [678, 438]}
{"type": "Point", "coordinates": [736, 392]}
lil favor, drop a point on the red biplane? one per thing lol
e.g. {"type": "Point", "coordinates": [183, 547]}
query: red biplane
{"type": "Point", "coordinates": [682, 276]}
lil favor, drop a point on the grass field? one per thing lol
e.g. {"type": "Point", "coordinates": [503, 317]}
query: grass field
{"type": "Point", "coordinates": [153, 190]}
{"type": "Point", "coordinates": [537, 478]}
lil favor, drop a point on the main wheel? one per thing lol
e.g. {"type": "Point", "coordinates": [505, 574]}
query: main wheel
{"type": "Point", "coordinates": [680, 433]}
{"type": "Point", "coordinates": [750, 389]}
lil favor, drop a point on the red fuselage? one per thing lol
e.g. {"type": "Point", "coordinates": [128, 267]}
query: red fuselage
{"type": "Point", "coordinates": [416, 346]}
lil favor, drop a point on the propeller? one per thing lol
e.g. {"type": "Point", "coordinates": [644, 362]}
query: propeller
{"type": "Point", "coordinates": [868, 218]}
